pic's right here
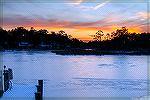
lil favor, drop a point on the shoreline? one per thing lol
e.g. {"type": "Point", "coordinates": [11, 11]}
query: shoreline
{"type": "Point", "coordinates": [100, 52]}
{"type": "Point", "coordinates": [88, 51]}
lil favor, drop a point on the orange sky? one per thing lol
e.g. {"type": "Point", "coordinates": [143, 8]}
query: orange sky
{"type": "Point", "coordinates": [83, 33]}
{"type": "Point", "coordinates": [78, 19]}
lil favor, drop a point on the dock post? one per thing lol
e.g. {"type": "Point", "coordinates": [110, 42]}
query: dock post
{"type": "Point", "coordinates": [38, 88]}
{"type": "Point", "coordinates": [38, 96]}
{"type": "Point", "coordinates": [6, 80]}
{"type": "Point", "coordinates": [39, 93]}
{"type": "Point", "coordinates": [40, 83]}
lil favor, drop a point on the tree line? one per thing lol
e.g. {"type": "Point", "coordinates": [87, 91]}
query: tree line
{"type": "Point", "coordinates": [120, 39]}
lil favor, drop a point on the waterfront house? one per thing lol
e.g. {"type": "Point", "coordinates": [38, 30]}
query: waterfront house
{"type": "Point", "coordinates": [24, 44]}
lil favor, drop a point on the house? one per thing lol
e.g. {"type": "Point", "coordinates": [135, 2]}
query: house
{"type": "Point", "coordinates": [44, 45]}
{"type": "Point", "coordinates": [24, 44]}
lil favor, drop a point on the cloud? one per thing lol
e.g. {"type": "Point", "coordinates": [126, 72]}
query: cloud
{"type": "Point", "coordinates": [143, 15]}
{"type": "Point", "coordinates": [76, 2]}
{"type": "Point", "coordinates": [27, 21]}
{"type": "Point", "coordinates": [93, 7]}
{"type": "Point", "coordinates": [107, 24]}
{"type": "Point", "coordinates": [100, 5]}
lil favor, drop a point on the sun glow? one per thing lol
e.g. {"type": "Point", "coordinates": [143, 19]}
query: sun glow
{"type": "Point", "coordinates": [85, 34]}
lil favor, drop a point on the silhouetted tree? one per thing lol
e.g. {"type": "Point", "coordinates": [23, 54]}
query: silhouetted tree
{"type": "Point", "coordinates": [121, 39]}
{"type": "Point", "coordinates": [3, 38]}
{"type": "Point", "coordinates": [108, 36]}
{"type": "Point", "coordinates": [98, 35]}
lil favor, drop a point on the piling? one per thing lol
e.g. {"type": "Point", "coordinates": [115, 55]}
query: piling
{"type": "Point", "coordinates": [39, 93]}
{"type": "Point", "coordinates": [38, 96]}
{"type": "Point", "coordinates": [6, 80]}
{"type": "Point", "coordinates": [40, 83]}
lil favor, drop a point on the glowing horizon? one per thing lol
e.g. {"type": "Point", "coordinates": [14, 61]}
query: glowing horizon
{"type": "Point", "coordinates": [80, 19]}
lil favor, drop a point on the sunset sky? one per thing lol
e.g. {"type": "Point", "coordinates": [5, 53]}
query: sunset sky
{"type": "Point", "coordinates": [79, 18]}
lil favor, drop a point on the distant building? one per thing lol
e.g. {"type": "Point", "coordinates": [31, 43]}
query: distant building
{"type": "Point", "coordinates": [24, 44]}
{"type": "Point", "coordinates": [44, 45]}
